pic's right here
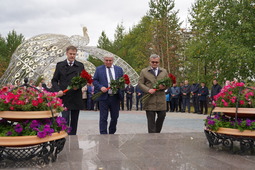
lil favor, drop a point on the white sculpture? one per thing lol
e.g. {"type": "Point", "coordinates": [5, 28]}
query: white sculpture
{"type": "Point", "coordinates": [38, 56]}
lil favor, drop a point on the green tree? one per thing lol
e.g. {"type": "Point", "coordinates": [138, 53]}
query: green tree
{"type": "Point", "coordinates": [166, 33]}
{"type": "Point", "coordinates": [95, 61]}
{"type": "Point", "coordinates": [7, 47]}
{"type": "Point", "coordinates": [104, 42]}
{"type": "Point", "coordinates": [224, 37]}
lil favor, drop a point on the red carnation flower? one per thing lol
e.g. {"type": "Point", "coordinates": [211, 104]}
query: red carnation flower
{"type": "Point", "coordinates": [172, 77]}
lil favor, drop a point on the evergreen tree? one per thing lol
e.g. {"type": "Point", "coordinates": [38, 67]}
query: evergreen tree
{"type": "Point", "coordinates": [166, 33]}
{"type": "Point", "coordinates": [104, 42]}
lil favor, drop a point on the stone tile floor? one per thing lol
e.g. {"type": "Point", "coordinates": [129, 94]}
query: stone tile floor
{"type": "Point", "coordinates": [181, 145]}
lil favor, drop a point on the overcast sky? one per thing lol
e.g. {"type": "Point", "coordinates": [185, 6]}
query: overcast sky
{"type": "Point", "coordinates": [33, 17]}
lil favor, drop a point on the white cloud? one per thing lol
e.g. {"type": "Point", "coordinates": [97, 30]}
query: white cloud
{"type": "Point", "coordinates": [33, 17]}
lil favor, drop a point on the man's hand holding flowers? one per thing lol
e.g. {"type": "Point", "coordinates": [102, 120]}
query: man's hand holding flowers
{"type": "Point", "coordinates": [114, 86]}
{"type": "Point", "coordinates": [78, 82]}
{"type": "Point", "coordinates": [160, 85]}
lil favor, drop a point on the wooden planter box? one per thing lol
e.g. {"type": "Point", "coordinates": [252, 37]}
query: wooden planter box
{"type": "Point", "coordinates": [15, 115]}
{"type": "Point", "coordinates": [236, 132]}
{"type": "Point", "coordinates": [19, 141]}
{"type": "Point", "coordinates": [241, 112]}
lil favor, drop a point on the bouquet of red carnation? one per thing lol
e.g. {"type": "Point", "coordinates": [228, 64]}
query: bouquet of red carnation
{"type": "Point", "coordinates": [80, 81]}
{"type": "Point", "coordinates": [114, 86]}
{"type": "Point", "coordinates": [165, 82]}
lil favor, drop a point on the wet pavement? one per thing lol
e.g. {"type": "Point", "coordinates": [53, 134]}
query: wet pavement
{"type": "Point", "coordinates": [181, 145]}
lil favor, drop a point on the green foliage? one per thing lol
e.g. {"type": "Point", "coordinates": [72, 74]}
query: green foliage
{"type": "Point", "coordinates": [95, 61]}
{"type": "Point", "coordinates": [166, 41]}
{"type": "Point", "coordinates": [7, 47]}
{"type": "Point", "coordinates": [104, 42]}
{"type": "Point", "coordinates": [216, 122]}
{"type": "Point", "coordinates": [223, 42]}
{"type": "Point", "coordinates": [157, 32]}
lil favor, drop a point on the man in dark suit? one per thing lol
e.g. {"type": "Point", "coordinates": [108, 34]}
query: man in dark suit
{"type": "Point", "coordinates": [194, 91]}
{"type": "Point", "coordinates": [203, 92]}
{"type": "Point", "coordinates": [129, 90]}
{"type": "Point", "coordinates": [65, 71]}
{"type": "Point", "coordinates": [185, 90]}
{"type": "Point", "coordinates": [108, 101]}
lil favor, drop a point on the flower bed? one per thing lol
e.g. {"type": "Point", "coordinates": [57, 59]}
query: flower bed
{"type": "Point", "coordinates": [28, 99]}
{"type": "Point", "coordinates": [216, 122]}
{"type": "Point", "coordinates": [20, 141]}
{"type": "Point", "coordinates": [229, 94]}
{"type": "Point", "coordinates": [35, 127]}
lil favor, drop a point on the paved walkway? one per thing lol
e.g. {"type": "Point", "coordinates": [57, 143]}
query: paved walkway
{"type": "Point", "coordinates": [133, 122]}
{"type": "Point", "coordinates": [182, 145]}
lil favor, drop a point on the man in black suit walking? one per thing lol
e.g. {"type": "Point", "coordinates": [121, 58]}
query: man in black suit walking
{"type": "Point", "coordinates": [65, 71]}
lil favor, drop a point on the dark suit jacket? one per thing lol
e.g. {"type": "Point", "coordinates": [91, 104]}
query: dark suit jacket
{"type": "Point", "coordinates": [100, 80]}
{"type": "Point", "coordinates": [204, 93]}
{"type": "Point", "coordinates": [129, 89]}
{"type": "Point", "coordinates": [185, 89]}
{"type": "Point", "coordinates": [138, 90]}
{"type": "Point", "coordinates": [62, 78]}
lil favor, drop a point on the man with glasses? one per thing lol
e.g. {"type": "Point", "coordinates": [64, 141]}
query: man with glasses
{"type": "Point", "coordinates": [108, 101]}
{"type": "Point", "coordinates": [156, 105]}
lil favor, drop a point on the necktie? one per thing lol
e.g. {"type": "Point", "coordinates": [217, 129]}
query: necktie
{"type": "Point", "coordinates": [154, 70]}
{"type": "Point", "coordinates": [110, 73]}
{"type": "Point", "coordinates": [70, 63]}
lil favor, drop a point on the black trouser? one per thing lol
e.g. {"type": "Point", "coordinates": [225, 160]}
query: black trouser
{"type": "Point", "coordinates": [195, 104]}
{"type": "Point", "coordinates": [155, 126]}
{"type": "Point", "coordinates": [203, 103]}
{"type": "Point", "coordinates": [174, 104]}
{"type": "Point", "coordinates": [129, 102]}
{"type": "Point", "coordinates": [138, 100]}
{"type": "Point", "coordinates": [73, 123]}
{"type": "Point", "coordinates": [168, 106]}
{"type": "Point", "coordinates": [186, 103]}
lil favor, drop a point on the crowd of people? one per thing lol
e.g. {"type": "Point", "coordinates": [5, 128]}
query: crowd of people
{"type": "Point", "coordinates": [179, 98]}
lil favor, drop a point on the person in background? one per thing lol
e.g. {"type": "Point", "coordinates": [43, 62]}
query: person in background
{"type": "Point", "coordinates": [175, 92]}
{"type": "Point", "coordinates": [168, 99]}
{"type": "Point", "coordinates": [122, 91]}
{"type": "Point", "coordinates": [180, 103]}
{"type": "Point", "coordinates": [84, 95]}
{"type": "Point", "coordinates": [44, 86]}
{"type": "Point", "coordinates": [216, 88]}
{"type": "Point", "coordinates": [194, 91]}
{"type": "Point", "coordinates": [185, 90]}
{"type": "Point", "coordinates": [17, 83]}
{"type": "Point", "coordinates": [31, 82]}
{"type": "Point", "coordinates": [202, 94]}
{"type": "Point", "coordinates": [108, 101]}
{"type": "Point", "coordinates": [72, 100]}
{"type": "Point", "coordinates": [139, 94]}
{"type": "Point", "coordinates": [39, 87]}
{"type": "Point", "coordinates": [90, 93]}
{"type": "Point", "coordinates": [129, 90]}
{"type": "Point", "coordinates": [156, 105]}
